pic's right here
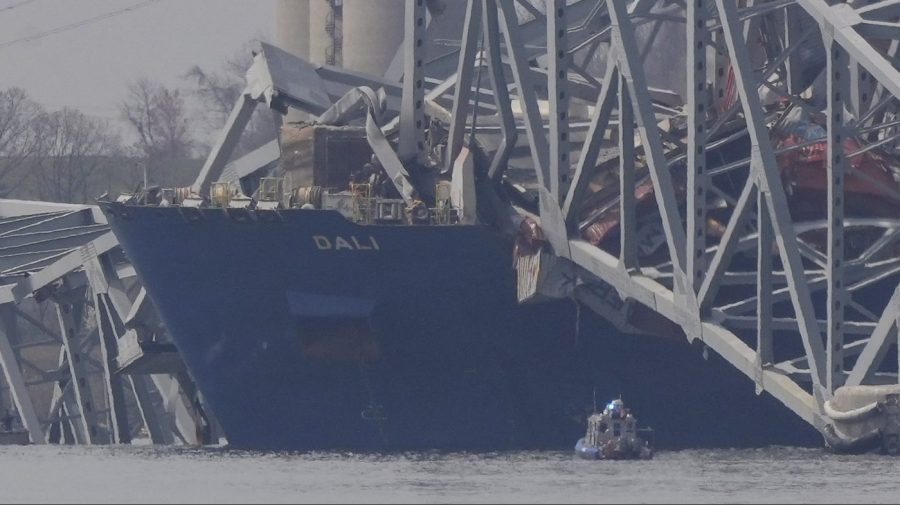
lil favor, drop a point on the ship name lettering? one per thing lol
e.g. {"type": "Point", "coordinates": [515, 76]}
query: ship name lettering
{"type": "Point", "coordinates": [351, 243]}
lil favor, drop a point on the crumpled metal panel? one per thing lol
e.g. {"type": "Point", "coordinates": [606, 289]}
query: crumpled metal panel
{"type": "Point", "coordinates": [354, 104]}
{"type": "Point", "coordinates": [282, 79]}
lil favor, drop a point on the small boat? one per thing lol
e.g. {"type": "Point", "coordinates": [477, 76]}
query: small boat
{"type": "Point", "coordinates": [613, 434]}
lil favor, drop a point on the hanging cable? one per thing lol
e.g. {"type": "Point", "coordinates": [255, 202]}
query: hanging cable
{"type": "Point", "coordinates": [16, 5]}
{"type": "Point", "coordinates": [79, 24]}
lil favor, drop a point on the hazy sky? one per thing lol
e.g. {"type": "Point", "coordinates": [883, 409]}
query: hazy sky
{"type": "Point", "coordinates": [89, 67]}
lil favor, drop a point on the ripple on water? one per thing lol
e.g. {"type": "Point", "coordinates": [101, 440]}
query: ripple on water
{"type": "Point", "coordinates": [132, 474]}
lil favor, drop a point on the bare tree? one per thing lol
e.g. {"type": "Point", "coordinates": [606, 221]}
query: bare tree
{"type": "Point", "coordinates": [216, 92]}
{"type": "Point", "coordinates": [159, 117]}
{"type": "Point", "coordinates": [73, 151]}
{"type": "Point", "coordinates": [19, 139]}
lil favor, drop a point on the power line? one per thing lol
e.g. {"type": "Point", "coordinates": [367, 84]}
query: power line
{"type": "Point", "coordinates": [16, 5]}
{"type": "Point", "coordinates": [79, 24]}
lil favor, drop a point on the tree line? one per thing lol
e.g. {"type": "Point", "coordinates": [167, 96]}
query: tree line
{"type": "Point", "coordinates": [68, 156]}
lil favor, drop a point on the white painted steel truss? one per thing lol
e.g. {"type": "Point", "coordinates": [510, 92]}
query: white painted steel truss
{"type": "Point", "coordinates": [63, 258]}
{"type": "Point", "coordinates": [764, 161]}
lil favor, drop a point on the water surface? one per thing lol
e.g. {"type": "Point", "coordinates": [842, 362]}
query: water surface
{"type": "Point", "coordinates": [132, 474]}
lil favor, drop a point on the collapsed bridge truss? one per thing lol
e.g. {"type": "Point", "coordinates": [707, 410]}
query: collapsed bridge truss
{"type": "Point", "coordinates": [757, 140]}
{"type": "Point", "coordinates": [730, 167]}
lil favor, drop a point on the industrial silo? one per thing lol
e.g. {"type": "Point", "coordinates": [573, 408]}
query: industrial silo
{"type": "Point", "coordinates": [373, 31]}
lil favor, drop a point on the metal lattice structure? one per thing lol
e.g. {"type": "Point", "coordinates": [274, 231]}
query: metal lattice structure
{"type": "Point", "coordinates": [791, 277]}
{"type": "Point", "coordinates": [67, 292]}
{"type": "Point", "coordinates": [729, 166]}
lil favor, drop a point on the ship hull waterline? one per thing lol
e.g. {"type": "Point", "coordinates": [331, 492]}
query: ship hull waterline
{"type": "Point", "coordinates": [305, 331]}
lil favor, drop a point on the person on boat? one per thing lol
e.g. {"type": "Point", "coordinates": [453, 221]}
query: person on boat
{"type": "Point", "coordinates": [617, 409]}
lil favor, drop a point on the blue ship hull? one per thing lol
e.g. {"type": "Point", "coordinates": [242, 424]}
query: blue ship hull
{"type": "Point", "coordinates": [304, 331]}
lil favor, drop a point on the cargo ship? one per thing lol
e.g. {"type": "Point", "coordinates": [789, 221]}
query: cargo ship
{"type": "Point", "coordinates": [306, 331]}
{"type": "Point", "coordinates": [317, 319]}
{"type": "Point", "coordinates": [320, 304]}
